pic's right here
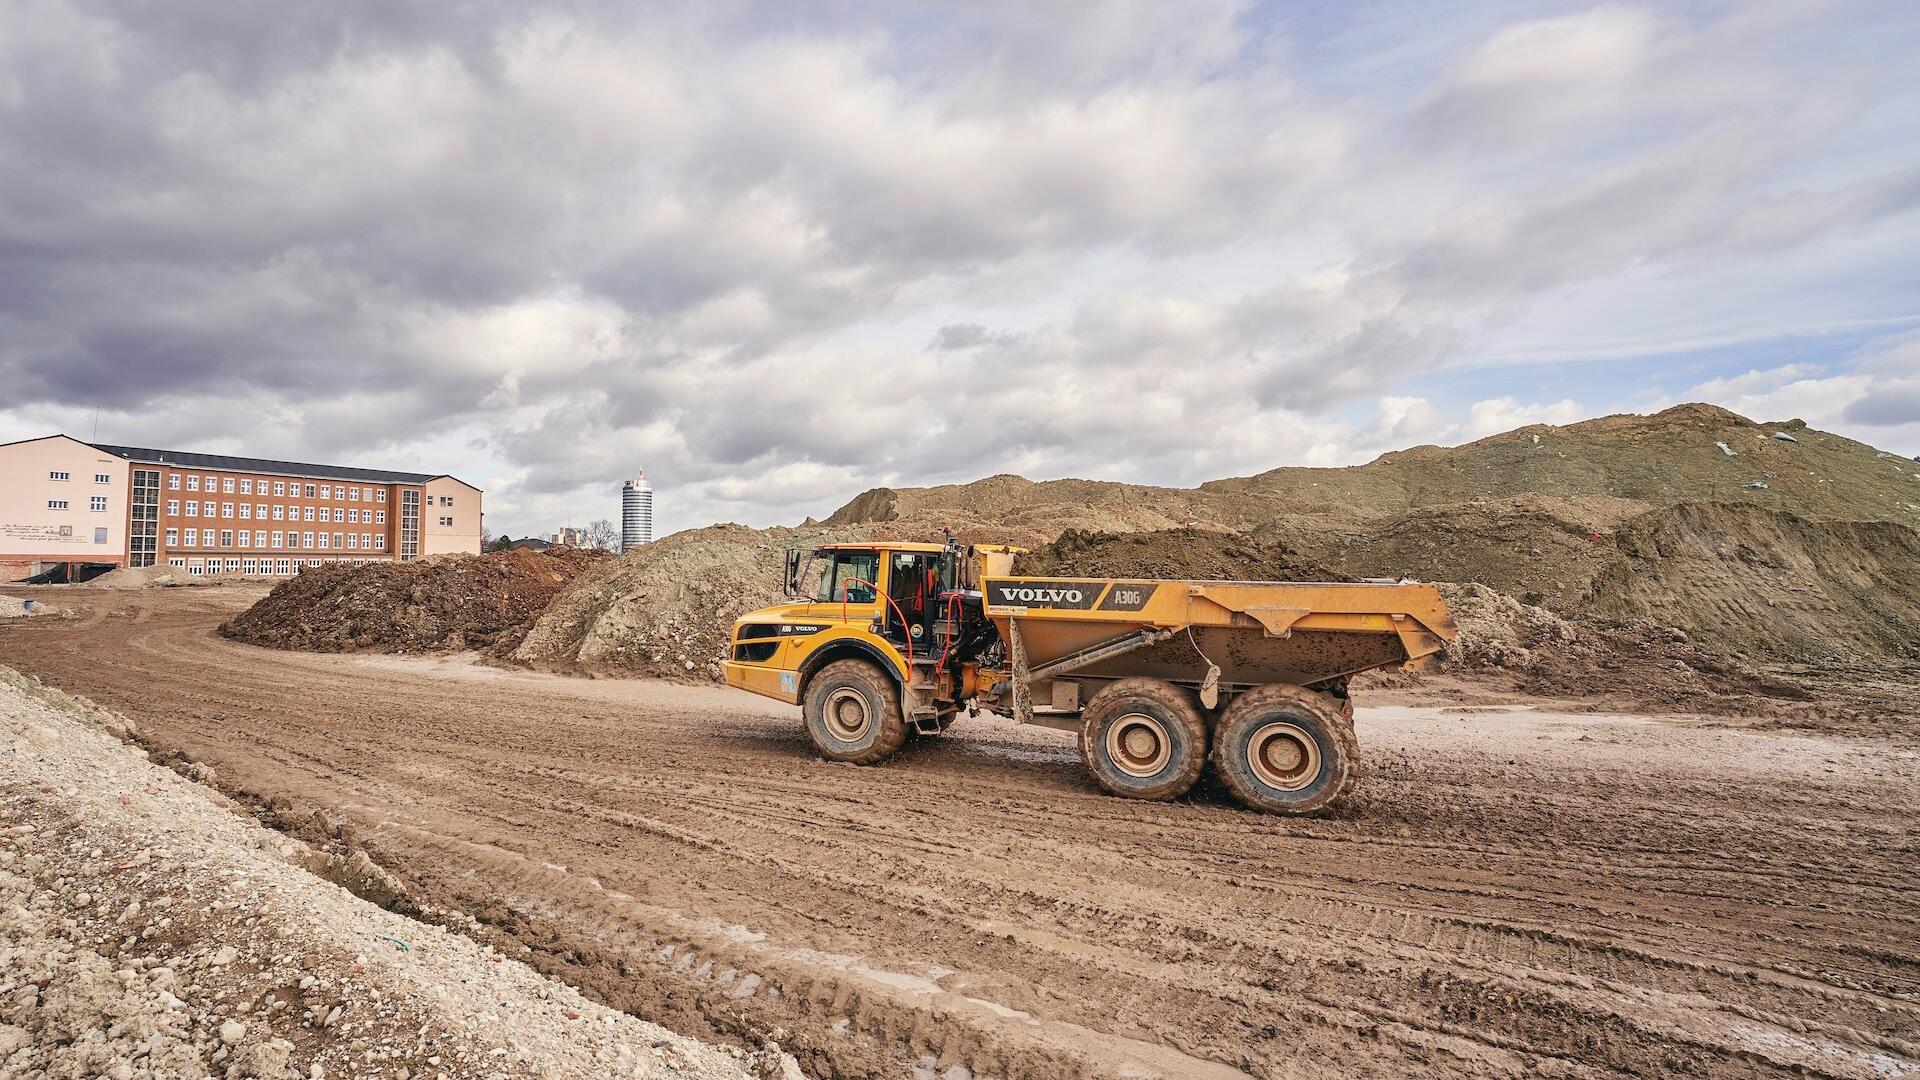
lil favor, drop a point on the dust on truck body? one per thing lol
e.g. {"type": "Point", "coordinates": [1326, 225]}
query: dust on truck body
{"type": "Point", "coordinates": [1160, 679]}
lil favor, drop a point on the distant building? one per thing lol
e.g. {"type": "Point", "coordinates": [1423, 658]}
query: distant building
{"type": "Point", "coordinates": [63, 501]}
{"type": "Point", "coordinates": [531, 543]}
{"type": "Point", "coordinates": [571, 537]}
{"type": "Point", "coordinates": [636, 513]}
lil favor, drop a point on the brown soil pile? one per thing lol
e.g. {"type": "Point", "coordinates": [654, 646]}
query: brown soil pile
{"type": "Point", "coordinates": [1197, 554]}
{"type": "Point", "coordinates": [1768, 586]}
{"type": "Point", "coordinates": [443, 604]}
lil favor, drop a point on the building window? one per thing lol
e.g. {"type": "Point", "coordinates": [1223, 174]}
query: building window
{"type": "Point", "coordinates": [246, 487]}
{"type": "Point", "coordinates": [276, 539]}
{"type": "Point", "coordinates": [173, 507]}
{"type": "Point", "coordinates": [446, 522]}
{"type": "Point", "coordinates": [282, 566]}
{"type": "Point", "coordinates": [226, 485]}
{"type": "Point", "coordinates": [246, 510]}
{"type": "Point", "coordinates": [193, 483]}
{"type": "Point", "coordinates": [193, 508]}
{"type": "Point", "coordinates": [260, 511]}
{"type": "Point", "coordinates": [143, 538]}
{"type": "Point", "coordinates": [339, 514]}
{"type": "Point", "coordinates": [353, 540]}
{"type": "Point", "coordinates": [379, 517]}
{"type": "Point", "coordinates": [226, 510]}
{"type": "Point", "coordinates": [196, 567]}
{"type": "Point", "coordinates": [193, 538]}
{"type": "Point", "coordinates": [233, 565]}
{"type": "Point", "coordinates": [309, 541]}
{"type": "Point", "coordinates": [173, 481]}
{"type": "Point", "coordinates": [226, 537]}
{"type": "Point", "coordinates": [100, 534]}
{"type": "Point", "coordinates": [326, 492]}
{"type": "Point", "coordinates": [213, 483]}
{"type": "Point", "coordinates": [278, 511]}
{"type": "Point", "coordinates": [366, 540]}
{"type": "Point", "coordinates": [246, 538]}
{"type": "Point", "coordinates": [409, 524]}
{"type": "Point", "coordinates": [173, 537]}
{"type": "Point", "coordinates": [57, 504]}
{"type": "Point", "coordinates": [279, 487]}
{"type": "Point", "coordinates": [249, 567]}
{"type": "Point", "coordinates": [380, 542]}
{"type": "Point", "coordinates": [323, 539]}
{"type": "Point", "coordinates": [53, 474]}
{"type": "Point", "coordinates": [176, 562]}
{"type": "Point", "coordinates": [102, 478]}
{"type": "Point", "coordinates": [353, 494]}
{"type": "Point", "coordinates": [353, 516]}
{"type": "Point", "coordinates": [97, 502]}
{"type": "Point", "coordinates": [380, 495]}
{"type": "Point", "coordinates": [309, 491]}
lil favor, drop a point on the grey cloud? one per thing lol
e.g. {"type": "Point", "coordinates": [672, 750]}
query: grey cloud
{"type": "Point", "coordinates": [1888, 404]}
{"type": "Point", "coordinates": [589, 235]}
{"type": "Point", "coordinates": [957, 336]}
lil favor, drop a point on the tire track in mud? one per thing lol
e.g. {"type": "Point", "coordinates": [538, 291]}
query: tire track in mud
{"type": "Point", "coordinates": [1497, 901]}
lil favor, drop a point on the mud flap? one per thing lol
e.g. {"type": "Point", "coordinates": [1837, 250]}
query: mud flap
{"type": "Point", "coordinates": [1022, 685]}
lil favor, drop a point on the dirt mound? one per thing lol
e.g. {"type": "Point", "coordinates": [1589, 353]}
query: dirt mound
{"type": "Point", "coordinates": [142, 577]}
{"type": "Point", "coordinates": [666, 609]}
{"type": "Point", "coordinates": [1174, 553]}
{"type": "Point", "coordinates": [1689, 453]}
{"type": "Point", "coordinates": [442, 604]}
{"type": "Point", "coordinates": [1754, 583]}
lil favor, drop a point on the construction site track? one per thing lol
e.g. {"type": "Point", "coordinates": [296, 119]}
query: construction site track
{"type": "Point", "coordinates": [1504, 893]}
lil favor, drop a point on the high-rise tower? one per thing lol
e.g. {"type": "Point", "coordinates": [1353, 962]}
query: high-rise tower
{"type": "Point", "coordinates": [636, 513]}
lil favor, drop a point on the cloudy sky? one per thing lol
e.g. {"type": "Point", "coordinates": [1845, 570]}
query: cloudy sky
{"type": "Point", "coordinates": [778, 258]}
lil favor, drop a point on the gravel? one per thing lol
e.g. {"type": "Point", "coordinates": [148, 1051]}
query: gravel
{"type": "Point", "coordinates": [149, 928]}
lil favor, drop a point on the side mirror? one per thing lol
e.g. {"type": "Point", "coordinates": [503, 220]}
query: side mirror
{"type": "Point", "coordinates": [791, 579]}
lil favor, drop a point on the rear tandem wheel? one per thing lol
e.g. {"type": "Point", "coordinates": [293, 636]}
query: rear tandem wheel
{"type": "Point", "coordinates": [1144, 739]}
{"type": "Point", "coordinates": [1284, 749]}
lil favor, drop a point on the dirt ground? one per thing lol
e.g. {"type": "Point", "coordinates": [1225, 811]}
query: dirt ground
{"type": "Point", "coordinates": [1509, 892]}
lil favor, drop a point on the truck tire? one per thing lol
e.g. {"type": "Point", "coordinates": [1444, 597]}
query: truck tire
{"type": "Point", "coordinates": [1144, 739]}
{"type": "Point", "coordinates": [852, 711]}
{"type": "Point", "coordinates": [1284, 749]}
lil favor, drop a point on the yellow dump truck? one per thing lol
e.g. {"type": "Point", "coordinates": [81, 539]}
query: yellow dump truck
{"type": "Point", "coordinates": [1160, 679]}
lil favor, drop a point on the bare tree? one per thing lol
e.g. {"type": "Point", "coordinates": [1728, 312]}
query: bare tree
{"type": "Point", "coordinates": [601, 534]}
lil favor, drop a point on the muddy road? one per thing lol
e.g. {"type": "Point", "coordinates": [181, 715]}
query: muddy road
{"type": "Point", "coordinates": [1510, 892]}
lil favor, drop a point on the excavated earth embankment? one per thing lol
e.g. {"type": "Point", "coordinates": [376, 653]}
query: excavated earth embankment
{"type": "Point", "coordinates": [1690, 560]}
{"type": "Point", "coordinates": [443, 604]}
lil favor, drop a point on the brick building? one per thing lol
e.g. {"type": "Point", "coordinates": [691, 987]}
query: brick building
{"type": "Point", "coordinates": [82, 504]}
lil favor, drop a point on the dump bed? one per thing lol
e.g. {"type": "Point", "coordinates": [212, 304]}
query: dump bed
{"type": "Point", "coordinates": [1256, 631]}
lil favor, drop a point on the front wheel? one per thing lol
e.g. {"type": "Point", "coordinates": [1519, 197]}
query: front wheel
{"type": "Point", "coordinates": [1144, 739]}
{"type": "Point", "coordinates": [852, 711]}
{"type": "Point", "coordinates": [1284, 749]}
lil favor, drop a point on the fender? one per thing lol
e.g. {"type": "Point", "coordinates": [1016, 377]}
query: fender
{"type": "Point", "coordinates": [840, 649]}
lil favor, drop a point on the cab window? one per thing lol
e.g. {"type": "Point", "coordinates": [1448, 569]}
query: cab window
{"type": "Point", "coordinates": [852, 575]}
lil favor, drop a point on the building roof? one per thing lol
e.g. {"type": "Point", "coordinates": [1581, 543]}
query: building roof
{"type": "Point", "coordinates": [226, 463]}
{"type": "Point", "coordinates": [531, 543]}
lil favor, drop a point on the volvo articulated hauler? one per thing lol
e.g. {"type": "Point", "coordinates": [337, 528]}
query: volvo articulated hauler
{"type": "Point", "coordinates": [1158, 678]}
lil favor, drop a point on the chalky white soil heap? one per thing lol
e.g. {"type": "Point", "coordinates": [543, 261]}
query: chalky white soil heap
{"type": "Point", "coordinates": [148, 928]}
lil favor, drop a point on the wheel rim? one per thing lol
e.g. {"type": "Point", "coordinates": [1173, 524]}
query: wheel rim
{"type": "Point", "coordinates": [1138, 744]}
{"type": "Point", "coordinates": [1284, 756]}
{"type": "Point", "coordinates": [847, 717]}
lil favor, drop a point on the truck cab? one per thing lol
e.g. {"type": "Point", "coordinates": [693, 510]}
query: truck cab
{"type": "Point", "coordinates": [882, 603]}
